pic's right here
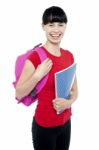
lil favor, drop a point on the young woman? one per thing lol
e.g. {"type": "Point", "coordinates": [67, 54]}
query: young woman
{"type": "Point", "coordinates": [50, 131]}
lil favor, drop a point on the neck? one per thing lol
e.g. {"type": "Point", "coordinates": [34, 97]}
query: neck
{"type": "Point", "coordinates": [53, 48]}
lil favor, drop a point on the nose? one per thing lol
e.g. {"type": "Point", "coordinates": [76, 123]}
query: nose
{"type": "Point", "coordinates": [56, 28]}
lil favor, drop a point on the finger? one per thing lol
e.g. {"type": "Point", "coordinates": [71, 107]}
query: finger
{"type": "Point", "coordinates": [47, 60]}
{"type": "Point", "coordinates": [57, 103]}
{"type": "Point", "coordinates": [57, 107]}
{"type": "Point", "coordinates": [50, 63]}
{"type": "Point", "coordinates": [49, 66]}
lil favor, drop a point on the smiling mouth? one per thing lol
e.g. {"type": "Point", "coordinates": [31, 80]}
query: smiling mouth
{"type": "Point", "coordinates": [55, 35]}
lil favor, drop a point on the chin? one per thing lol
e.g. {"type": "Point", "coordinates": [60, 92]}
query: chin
{"type": "Point", "coordinates": [54, 41]}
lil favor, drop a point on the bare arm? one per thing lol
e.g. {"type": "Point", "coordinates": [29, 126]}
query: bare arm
{"type": "Point", "coordinates": [30, 77]}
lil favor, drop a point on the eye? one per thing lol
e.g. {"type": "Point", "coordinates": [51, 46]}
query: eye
{"type": "Point", "coordinates": [50, 24]}
{"type": "Point", "coordinates": [61, 24]}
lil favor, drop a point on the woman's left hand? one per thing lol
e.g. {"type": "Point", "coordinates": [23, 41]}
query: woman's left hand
{"type": "Point", "coordinates": [61, 104]}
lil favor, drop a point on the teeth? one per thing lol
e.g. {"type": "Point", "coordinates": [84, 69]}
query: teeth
{"type": "Point", "coordinates": [55, 35]}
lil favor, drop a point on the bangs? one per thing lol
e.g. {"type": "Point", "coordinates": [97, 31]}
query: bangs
{"type": "Point", "coordinates": [56, 18]}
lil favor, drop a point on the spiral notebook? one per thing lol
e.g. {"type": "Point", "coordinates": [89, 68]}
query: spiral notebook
{"type": "Point", "coordinates": [64, 80]}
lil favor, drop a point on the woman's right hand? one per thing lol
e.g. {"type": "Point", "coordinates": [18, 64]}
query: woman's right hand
{"type": "Point", "coordinates": [43, 69]}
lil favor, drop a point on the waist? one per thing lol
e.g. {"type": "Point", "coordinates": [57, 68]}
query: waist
{"type": "Point", "coordinates": [56, 127]}
{"type": "Point", "coordinates": [49, 118]}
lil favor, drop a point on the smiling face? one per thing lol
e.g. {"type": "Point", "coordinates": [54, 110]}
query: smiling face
{"type": "Point", "coordinates": [54, 22]}
{"type": "Point", "coordinates": [54, 31]}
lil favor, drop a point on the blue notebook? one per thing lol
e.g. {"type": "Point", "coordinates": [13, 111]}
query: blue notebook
{"type": "Point", "coordinates": [64, 80]}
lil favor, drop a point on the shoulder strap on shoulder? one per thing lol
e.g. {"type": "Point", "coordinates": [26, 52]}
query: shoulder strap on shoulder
{"type": "Point", "coordinates": [41, 53]}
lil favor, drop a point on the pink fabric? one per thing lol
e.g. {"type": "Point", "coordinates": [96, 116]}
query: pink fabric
{"type": "Point", "coordinates": [28, 100]}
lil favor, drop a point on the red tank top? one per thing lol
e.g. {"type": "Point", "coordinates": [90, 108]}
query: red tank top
{"type": "Point", "coordinates": [45, 114]}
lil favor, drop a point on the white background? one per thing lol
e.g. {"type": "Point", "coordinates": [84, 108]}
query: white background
{"type": "Point", "coordinates": [20, 29]}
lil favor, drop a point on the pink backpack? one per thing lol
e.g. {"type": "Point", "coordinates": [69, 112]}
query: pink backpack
{"type": "Point", "coordinates": [32, 97]}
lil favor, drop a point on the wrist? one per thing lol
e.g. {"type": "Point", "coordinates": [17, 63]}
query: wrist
{"type": "Point", "coordinates": [70, 102]}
